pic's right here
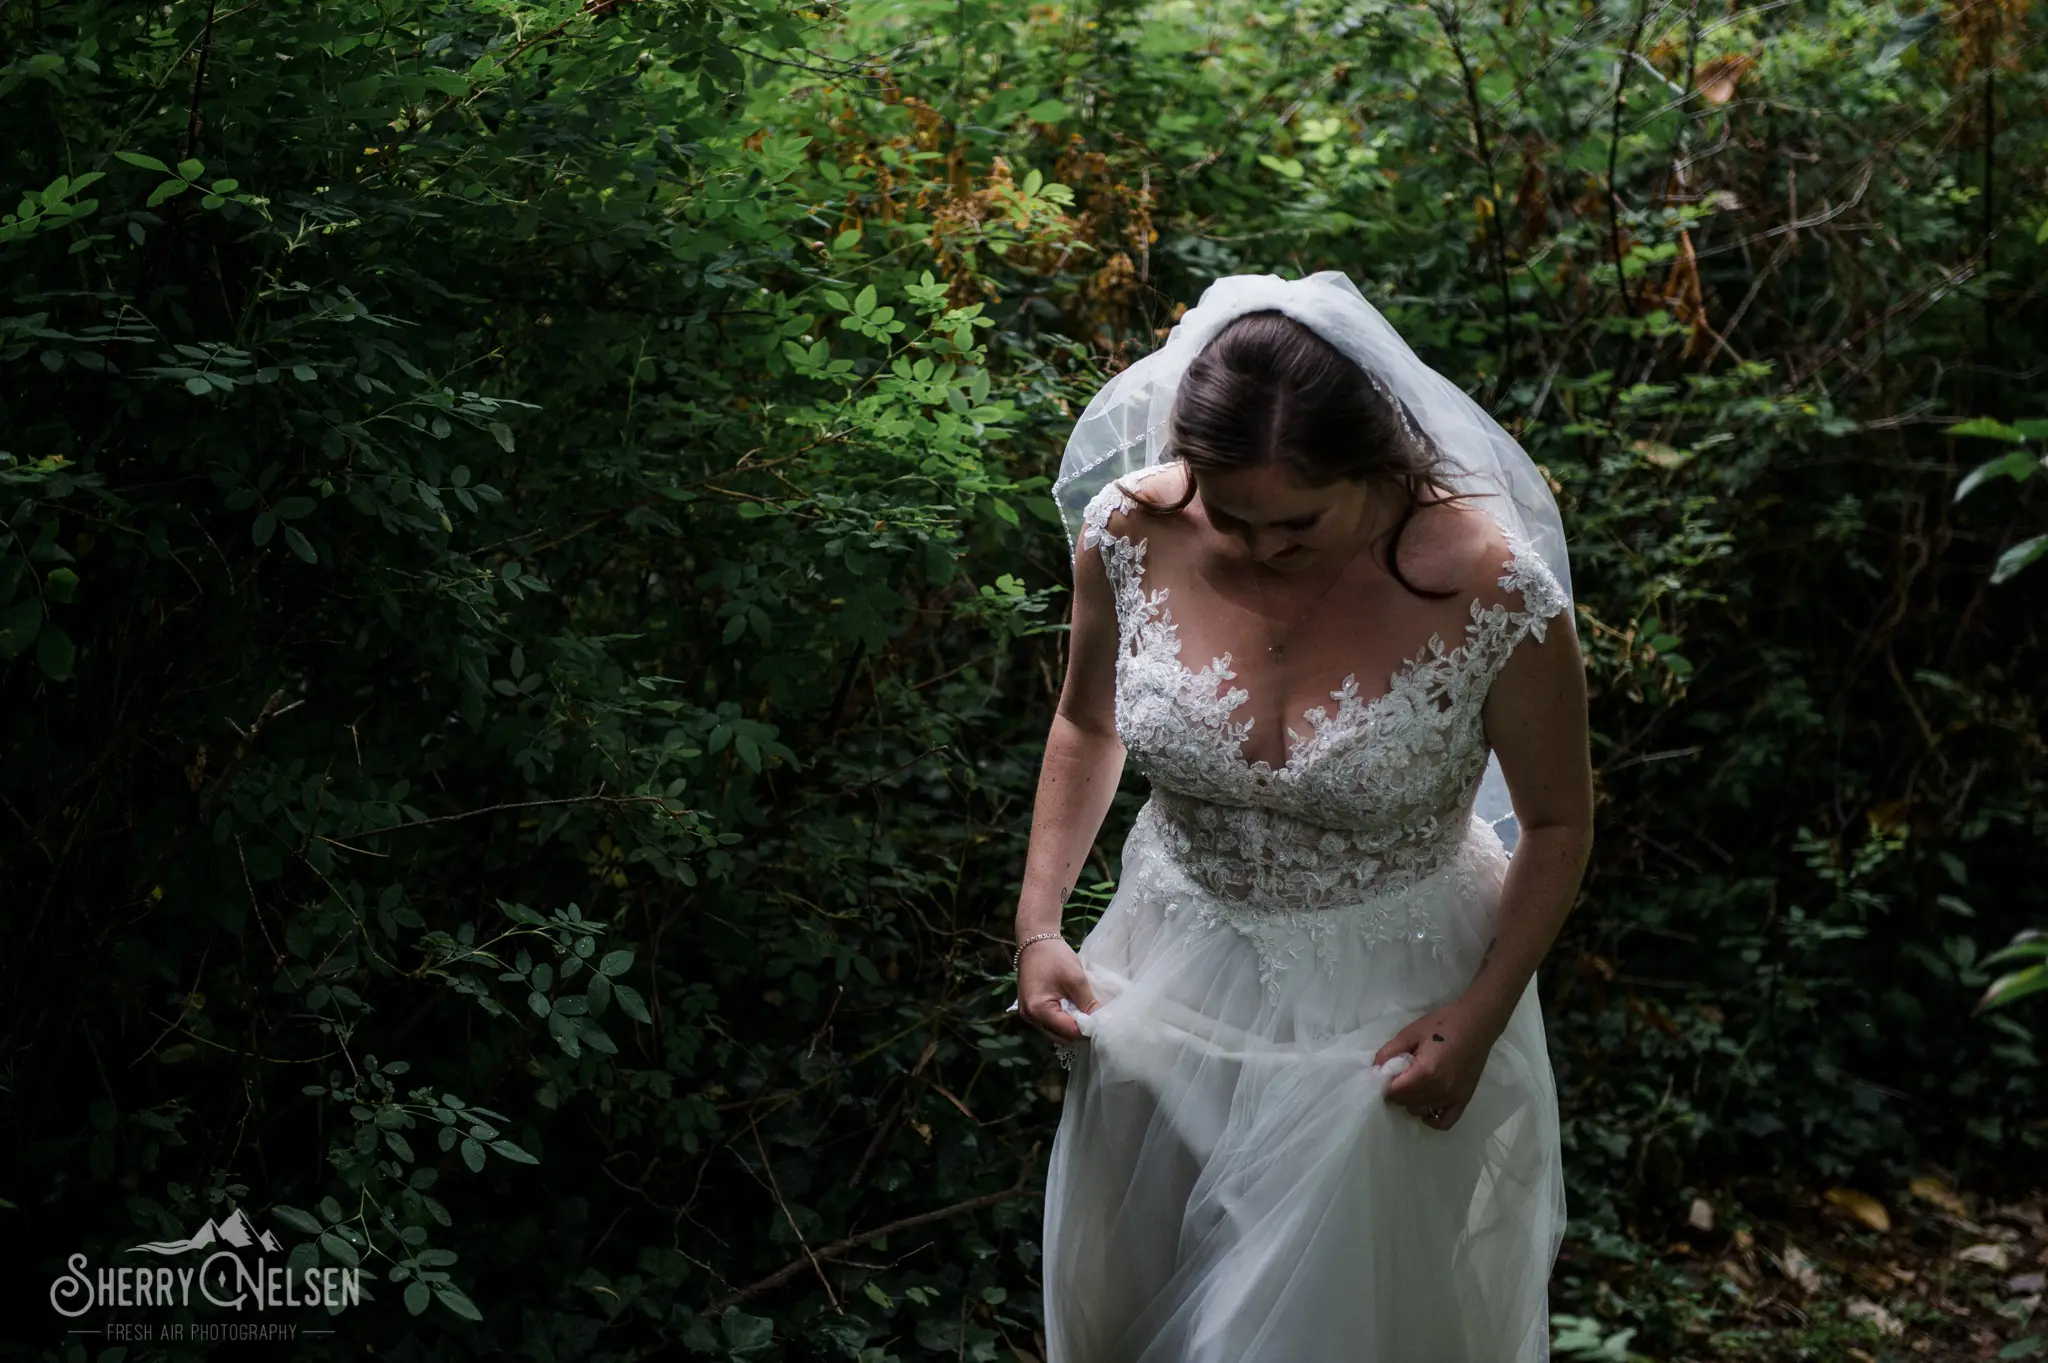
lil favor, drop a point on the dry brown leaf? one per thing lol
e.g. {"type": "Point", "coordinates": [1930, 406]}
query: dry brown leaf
{"type": "Point", "coordinates": [1796, 1266]}
{"type": "Point", "coordinates": [1993, 1256]}
{"type": "Point", "coordinates": [1885, 1321]}
{"type": "Point", "coordinates": [1862, 1206]}
{"type": "Point", "coordinates": [1930, 1189]}
{"type": "Point", "coordinates": [1701, 1217]}
{"type": "Point", "coordinates": [1717, 79]}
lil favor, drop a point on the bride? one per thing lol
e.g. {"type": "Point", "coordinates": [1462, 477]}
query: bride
{"type": "Point", "coordinates": [1310, 1115]}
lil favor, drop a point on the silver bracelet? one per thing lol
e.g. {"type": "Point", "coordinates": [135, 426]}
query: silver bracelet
{"type": "Point", "coordinates": [1039, 937]}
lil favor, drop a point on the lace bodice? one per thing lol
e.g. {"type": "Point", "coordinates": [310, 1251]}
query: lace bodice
{"type": "Point", "coordinates": [1377, 796]}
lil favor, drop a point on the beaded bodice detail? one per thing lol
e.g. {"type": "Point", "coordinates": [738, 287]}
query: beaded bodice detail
{"type": "Point", "coordinates": [1377, 796]}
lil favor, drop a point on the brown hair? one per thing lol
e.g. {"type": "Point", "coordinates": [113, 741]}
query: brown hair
{"type": "Point", "coordinates": [1269, 389]}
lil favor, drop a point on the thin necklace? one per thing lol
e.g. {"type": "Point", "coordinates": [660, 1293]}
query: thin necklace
{"type": "Point", "coordinates": [1278, 648]}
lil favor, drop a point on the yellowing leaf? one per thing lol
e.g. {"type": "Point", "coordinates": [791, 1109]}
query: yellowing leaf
{"type": "Point", "coordinates": [1662, 455]}
{"type": "Point", "coordinates": [1862, 1206]}
{"type": "Point", "coordinates": [1930, 1189]}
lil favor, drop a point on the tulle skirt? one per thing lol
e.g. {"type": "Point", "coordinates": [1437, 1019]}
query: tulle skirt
{"type": "Point", "coordinates": [1229, 1184]}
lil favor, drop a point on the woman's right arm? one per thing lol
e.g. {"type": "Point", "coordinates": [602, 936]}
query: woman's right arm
{"type": "Point", "coordinates": [1084, 761]}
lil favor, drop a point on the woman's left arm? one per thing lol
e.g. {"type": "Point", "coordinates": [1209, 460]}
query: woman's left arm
{"type": "Point", "coordinates": [1535, 720]}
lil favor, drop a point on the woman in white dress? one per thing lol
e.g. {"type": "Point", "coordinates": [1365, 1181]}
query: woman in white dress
{"type": "Point", "coordinates": [1310, 1116]}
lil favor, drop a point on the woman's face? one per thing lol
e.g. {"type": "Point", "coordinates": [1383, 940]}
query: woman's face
{"type": "Point", "coordinates": [1282, 524]}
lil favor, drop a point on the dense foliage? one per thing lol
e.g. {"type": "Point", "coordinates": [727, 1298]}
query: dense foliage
{"type": "Point", "coordinates": [530, 608]}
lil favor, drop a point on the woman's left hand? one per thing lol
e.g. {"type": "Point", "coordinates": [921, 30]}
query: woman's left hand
{"type": "Point", "coordinates": [1448, 1050]}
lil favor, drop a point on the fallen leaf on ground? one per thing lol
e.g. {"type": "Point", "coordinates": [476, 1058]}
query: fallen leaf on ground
{"type": "Point", "coordinates": [1795, 1265]}
{"type": "Point", "coordinates": [1995, 1257]}
{"type": "Point", "coordinates": [1885, 1321]}
{"type": "Point", "coordinates": [1930, 1189]}
{"type": "Point", "coordinates": [1862, 1206]}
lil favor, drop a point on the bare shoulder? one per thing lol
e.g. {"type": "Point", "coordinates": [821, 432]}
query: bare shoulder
{"type": "Point", "coordinates": [1454, 546]}
{"type": "Point", "coordinates": [1160, 485]}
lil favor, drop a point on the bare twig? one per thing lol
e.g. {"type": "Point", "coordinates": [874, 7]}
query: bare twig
{"type": "Point", "coordinates": [840, 1247]}
{"type": "Point", "coordinates": [767, 1168]}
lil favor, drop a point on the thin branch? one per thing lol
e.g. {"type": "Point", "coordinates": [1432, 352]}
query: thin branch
{"type": "Point", "coordinates": [840, 1247]}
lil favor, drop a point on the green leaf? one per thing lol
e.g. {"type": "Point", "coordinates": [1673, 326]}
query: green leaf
{"type": "Point", "coordinates": [166, 190]}
{"type": "Point", "coordinates": [191, 170]}
{"type": "Point", "coordinates": [1049, 111]}
{"type": "Point", "coordinates": [61, 585]}
{"type": "Point", "coordinates": [55, 653]}
{"type": "Point", "coordinates": [502, 434]}
{"type": "Point", "coordinates": [1907, 34]}
{"type": "Point", "coordinates": [473, 1155]}
{"type": "Point", "coordinates": [616, 962]}
{"type": "Point", "coordinates": [630, 1003]}
{"type": "Point", "coordinates": [846, 241]}
{"type": "Point", "coordinates": [1988, 428]}
{"type": "Point", "coordinates": [19, 625]}
{"type": "Point", "coordinates": [2029, 945]}
{"type": "Point", "coordinates": [513, 1152]}
{"type": "Point", "coordinates": [303, 1222]}
{"type": "Point", "coordinates": [744, 1333]}
{"type": "Point", "coordinates": [300, 545]}
{"type": "Point", "coordinates": [304, 373]}
{"type": "Point", "coordinates": [416, 1296]}
{"type": "Point", "coordinates": [864, 301]}
{"type": "Point", "coordinates": [198, 387]}
{"type": "Point", "coordinates": [2013, 559]}
{"type": "Point", "coordinates": [136, 158]}
{"type": "Point", "coordinates": [453, 1298]}
{"type": "Point", "coordinates": [2017, 465]}
{"type": "Point", "coordinates": [291, 508]}
{"type": "Point", "coordinates": [2013, 987]}
{"type": "Point", "coordinates": [264, 527]}
{"type": "Point", "coordinates": [340, 1249]}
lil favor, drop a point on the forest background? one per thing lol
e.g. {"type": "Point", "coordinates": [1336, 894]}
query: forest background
{"type": "Point", "coordinates": [530, 612]}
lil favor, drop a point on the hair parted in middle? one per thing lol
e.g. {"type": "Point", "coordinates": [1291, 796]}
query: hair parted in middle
{"type": "Point", "coordinates": [1268, 389]}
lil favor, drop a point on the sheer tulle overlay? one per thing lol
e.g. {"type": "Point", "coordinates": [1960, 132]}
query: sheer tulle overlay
{"type": "Point", "coordinates": [1228, 1183]}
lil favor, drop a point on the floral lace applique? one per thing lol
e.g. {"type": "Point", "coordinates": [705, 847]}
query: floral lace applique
{"type": "Point", "coordinates": [1373, 801]}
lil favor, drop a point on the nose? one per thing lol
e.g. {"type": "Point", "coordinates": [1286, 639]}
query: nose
{"type": "Point", "coordinates": [1264, 544]}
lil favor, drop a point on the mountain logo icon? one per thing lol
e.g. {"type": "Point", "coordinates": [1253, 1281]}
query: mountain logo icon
{"type": "Point", "coordinates": [233, 1229]}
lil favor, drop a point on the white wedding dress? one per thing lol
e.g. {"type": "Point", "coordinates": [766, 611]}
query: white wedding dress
{"type": "Point", "coordinates": [1229, 1183]}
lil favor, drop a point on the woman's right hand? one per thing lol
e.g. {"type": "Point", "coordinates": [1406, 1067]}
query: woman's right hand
{"type": "Point", "coordinates": [1050, 971]}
